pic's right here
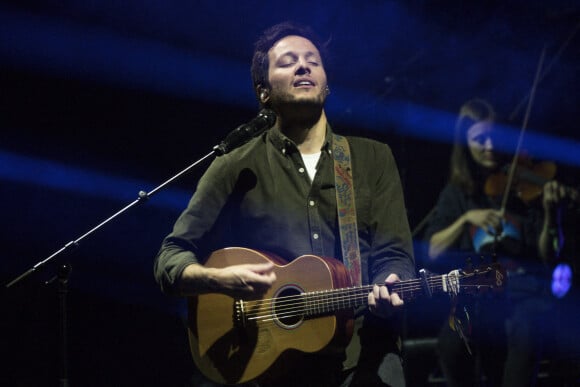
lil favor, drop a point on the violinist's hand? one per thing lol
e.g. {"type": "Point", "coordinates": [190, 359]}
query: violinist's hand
{"type": "Point", "coordinates": [487, 219]}
{"type": "Point", "coordinates": [554, 193]}
{"type": "Point", "coordinates": [381, 302]}
{"type": "Point", "coordinates": [236, 280]}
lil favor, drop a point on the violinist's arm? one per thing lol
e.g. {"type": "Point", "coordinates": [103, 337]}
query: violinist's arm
{"type": "Point", "coordinates": [546, 242]}
{"type": "Point", "coordinates": [553, 194]}
{"type": "Point", "coordinates": [440, 241]}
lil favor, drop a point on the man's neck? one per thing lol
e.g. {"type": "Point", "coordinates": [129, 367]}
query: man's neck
{"type": "Point", "coordinates": [307, 133]}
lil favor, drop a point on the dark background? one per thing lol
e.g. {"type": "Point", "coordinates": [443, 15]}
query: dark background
{"type": "Point", "coordinates": [99, 100]}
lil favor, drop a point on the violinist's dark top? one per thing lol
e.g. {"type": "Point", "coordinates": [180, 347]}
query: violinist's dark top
{"type": "Point", "coordinates": [516, 246]}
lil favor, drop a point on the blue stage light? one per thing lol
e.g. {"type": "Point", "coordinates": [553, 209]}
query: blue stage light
{"type": "Point", "coordinates": [63, 47]}
{"type": "Point", "coordinates": [561, 280]}
{"type": "Point", "coordinates": [50, 174]}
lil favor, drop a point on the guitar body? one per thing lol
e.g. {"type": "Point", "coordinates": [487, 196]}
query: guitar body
{"type": "Point", "coordinates": [230, 350]}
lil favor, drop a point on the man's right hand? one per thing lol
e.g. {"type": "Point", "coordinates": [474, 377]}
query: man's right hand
{"type": "Point", "coordinates": [235, 280]}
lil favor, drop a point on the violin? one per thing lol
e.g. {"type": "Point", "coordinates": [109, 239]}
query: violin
{"type": "Point", "coordinates": [527, 182]}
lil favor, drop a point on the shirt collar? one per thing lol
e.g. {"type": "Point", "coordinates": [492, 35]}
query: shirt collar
{"type": "Point", "coordinates": [284, 145]}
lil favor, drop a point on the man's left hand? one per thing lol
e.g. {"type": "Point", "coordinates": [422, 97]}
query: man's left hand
{"type": "Point", "coordinates": [382, 302]}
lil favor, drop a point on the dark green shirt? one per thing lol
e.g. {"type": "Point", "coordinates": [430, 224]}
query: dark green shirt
{"type": "Point", "coordinates": [260, 196]}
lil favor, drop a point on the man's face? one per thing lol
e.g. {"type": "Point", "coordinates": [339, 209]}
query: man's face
{"type": "Point", "coordinates": [296, 73]}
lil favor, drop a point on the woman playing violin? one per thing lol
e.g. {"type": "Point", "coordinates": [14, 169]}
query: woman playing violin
{"type": "Point", "coordinates": [470, 223]}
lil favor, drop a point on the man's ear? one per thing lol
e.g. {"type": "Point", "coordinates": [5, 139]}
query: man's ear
{"type": "Point", "coordinates": [264, 94]}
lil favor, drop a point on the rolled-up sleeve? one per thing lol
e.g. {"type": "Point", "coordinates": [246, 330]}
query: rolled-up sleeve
{"type": "Point", "coordinates": [182, 246]}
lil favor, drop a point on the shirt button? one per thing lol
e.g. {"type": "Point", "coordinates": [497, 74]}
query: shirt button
{"type": "Point", "coordinates": [312, 203]}
{"type": "Point", "coordinates": [315, 236]}
{"type": "Point", "coordinates": [301, 170]}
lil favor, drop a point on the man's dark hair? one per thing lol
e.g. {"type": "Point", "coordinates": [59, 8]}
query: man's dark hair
{"type": "Point", "coordinates": [269, 37]}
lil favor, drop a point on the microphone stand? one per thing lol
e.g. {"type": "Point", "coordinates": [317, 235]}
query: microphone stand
{"type": "Point", "coordinates": [237, 137]}
{"type": "Point", "coordinates": [64, 270]}
{"type": "Point", "coordinates": [143, 196]}
{"type": "Point", "coordinates": [62, 276]}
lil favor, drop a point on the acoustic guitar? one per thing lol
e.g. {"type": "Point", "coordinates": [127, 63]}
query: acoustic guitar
{"type": "Point", "coordinates": [309, 309]}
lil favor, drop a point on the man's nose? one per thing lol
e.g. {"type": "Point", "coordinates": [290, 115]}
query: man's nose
{"type": "Point", "coordinates": [303, 68]}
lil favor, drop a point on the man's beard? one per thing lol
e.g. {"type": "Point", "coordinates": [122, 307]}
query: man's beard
{"type": "Point", "coordinates": [287, 100]}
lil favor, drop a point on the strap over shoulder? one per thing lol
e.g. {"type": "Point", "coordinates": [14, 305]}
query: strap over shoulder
{"type": "Point", "coordinates": [344, 185]}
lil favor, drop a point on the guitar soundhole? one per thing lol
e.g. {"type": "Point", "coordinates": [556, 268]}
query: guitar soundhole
{"type": "Point", "coordinates": [289, 307]}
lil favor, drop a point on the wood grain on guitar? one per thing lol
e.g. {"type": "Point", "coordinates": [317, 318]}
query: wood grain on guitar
{"type": "Point", "coordinates": [309, 309]}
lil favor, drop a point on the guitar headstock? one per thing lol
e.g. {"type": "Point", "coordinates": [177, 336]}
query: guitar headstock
{"type": "Point", "coordinates": [486, 277]}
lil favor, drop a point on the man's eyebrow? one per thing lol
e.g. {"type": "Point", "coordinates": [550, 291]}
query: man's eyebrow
{"type": "Point", "coordinates": [313, 53]}
{"type": "Point", "coordinates": [294, 53]}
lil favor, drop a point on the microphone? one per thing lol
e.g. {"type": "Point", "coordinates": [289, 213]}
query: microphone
{"type": "Point", "coordinates": [243, 133]}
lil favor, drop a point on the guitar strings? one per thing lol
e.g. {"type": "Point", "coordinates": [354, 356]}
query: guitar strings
{"type": "Point", "coordinates": [313, 303]}
{"type": "Point", "coordinates": [407, 286]}
{"type": "Point", "coordinates": [299, 309]}
{"type": "Point", "coordinates": [296, 310]}
{"type": "Point", "coordinates": [322, 299]}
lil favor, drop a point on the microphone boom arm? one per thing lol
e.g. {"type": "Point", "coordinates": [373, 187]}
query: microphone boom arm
{"type": "Point", "coordinates": [240, 135]}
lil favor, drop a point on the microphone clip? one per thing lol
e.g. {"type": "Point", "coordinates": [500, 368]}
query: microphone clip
{"type": "Point", "coordinates": [245, 132]}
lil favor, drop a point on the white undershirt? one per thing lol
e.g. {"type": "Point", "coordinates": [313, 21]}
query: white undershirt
{"type": "Point", "coordinates": [310, 162]}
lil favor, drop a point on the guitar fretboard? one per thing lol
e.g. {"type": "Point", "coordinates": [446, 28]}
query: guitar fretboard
{"type": "Point", "coordinates": [316, 303]}
{"type": "Point", "coordinates": [328, 301]}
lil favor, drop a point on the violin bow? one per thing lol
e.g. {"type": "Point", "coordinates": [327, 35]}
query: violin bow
{"type": "Point", "coordinates": [522, 131]}
{"type": "Point", "coordinates": [539, 76]}
{"type": "Point", "coordinates": [547, 69]}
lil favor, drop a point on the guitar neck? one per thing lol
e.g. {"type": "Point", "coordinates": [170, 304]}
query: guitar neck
{"type": "Point", "coordinates": [329, 301]}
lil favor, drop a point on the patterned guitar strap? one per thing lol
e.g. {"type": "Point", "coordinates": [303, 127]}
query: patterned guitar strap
{"type": "Point", "coordinates": [346, 209]}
